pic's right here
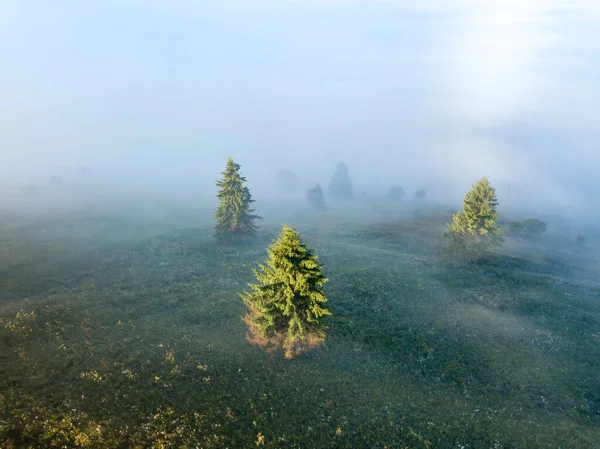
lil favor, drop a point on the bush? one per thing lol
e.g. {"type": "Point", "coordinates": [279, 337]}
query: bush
{"type": "Point", "coordinates": [420, 194]}
{"type": "Point", "coordinates": [396, 193]}
{"type": "Point", "coordinates": [530, 228]}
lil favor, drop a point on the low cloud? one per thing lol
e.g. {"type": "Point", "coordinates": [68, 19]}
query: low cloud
{"type": "Point", "coordinates": [407, 93]}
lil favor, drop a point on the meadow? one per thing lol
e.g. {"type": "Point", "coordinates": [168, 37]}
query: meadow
{"type": "Point", "coordinates": [120, 327]}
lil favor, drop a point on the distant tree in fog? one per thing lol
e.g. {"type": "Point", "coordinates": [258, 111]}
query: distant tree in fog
{"type": "Point", "coordinates": [529, 228]}
{"type": "Point", "coordinates": [56, 180]}
{"type": "Point", "coordinates": [233, 216]}
{"type": "Point", "coordinates": [513, 228]}
{"type": "Point", "coordinates": [474, 229]}
{"type": "Point", "coordinates": [285, 309]}
{"type": "Point", "coordinates": [533, 227]}
{"type": "Point", "coordinates": [30, 189]}
{"type": "Point", "coordinates": [420, 194]}
{"type": "Point", "coordinates": [287, 181]}
{"type": "Point", "coordinates": [592, 231]}
{"type": "Point", "coordinates": [341, 186]}
{"type": "Point", "coordinates": [315, 198]}
{"type": "Point", "coordinates": [396, 193]}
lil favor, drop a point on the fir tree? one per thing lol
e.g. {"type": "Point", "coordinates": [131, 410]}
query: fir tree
{"type": "Point", "coordinates": [474, 229]}
{"type": "Point", "coordinates": [233, 216]}
{"type": "Point", "coordinates": [285, 309]}
{"type": "Point", "coordinates": [315, 198]}
{"type": "Point", "coordinates": [341, 184]}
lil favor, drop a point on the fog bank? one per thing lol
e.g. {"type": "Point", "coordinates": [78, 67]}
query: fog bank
{"type": "Point", "coordinates": [158, 94]}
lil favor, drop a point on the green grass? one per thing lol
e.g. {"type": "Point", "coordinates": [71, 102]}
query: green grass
{"type": "Point", "coordinates": [124, 330]}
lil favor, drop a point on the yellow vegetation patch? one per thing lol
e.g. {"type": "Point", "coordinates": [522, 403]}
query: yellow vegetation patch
{"type": "Point", "coordinates": [92, 375]}
{"type": "Point", "coordinates": [291, 347]}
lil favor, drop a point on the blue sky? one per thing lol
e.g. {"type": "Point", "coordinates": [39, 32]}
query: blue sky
{"type": "Point", "coordinates": [400, 90]}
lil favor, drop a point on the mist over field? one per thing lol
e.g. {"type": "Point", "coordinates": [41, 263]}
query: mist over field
{"type": "Point", "coordinates": [153, 96]}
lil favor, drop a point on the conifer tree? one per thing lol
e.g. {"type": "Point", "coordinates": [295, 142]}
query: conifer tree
{"type": "Point", "coordinates": [474, 229]}
{"type": "Point", "coordinates": [315, 198]}
{"type": "Point", "coordinates": [285, 309]}
{"type": "Point", "coordinates": [341, 184]}
{"type": "Point", "coordinates": [233, 216]}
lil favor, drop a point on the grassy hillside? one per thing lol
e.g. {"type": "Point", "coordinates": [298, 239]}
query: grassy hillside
{"type": "Point", "coordinates": [122, 328]}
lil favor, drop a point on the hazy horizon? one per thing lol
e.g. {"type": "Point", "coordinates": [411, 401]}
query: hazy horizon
{"type": "Point", "coordinates": [161, 93]}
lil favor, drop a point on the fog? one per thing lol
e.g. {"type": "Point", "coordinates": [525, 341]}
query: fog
{"type": "Point", "coordinates": [155, 95]}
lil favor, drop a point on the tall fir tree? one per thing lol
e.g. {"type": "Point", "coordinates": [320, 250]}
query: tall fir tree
{"type": "Point", "coordinates": [341, 186]}
{"type": "Point", "coordinates": [234, 216]}
{"type": "Point", "coordinates": [474, 230]}
{"type": "Point", "coordinates": [315, 198]}
{"type": "Point", "coordinates": [285, 308]}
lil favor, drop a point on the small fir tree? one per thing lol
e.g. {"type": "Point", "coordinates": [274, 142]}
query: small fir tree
{"type": "Point", "coordinates": [285, 309]}
{"type": "Point", "coordinates": [315, 198]}
{"type": "Point", "coordinates": [233, 216]}
{"type": "Point", "coordinates": [474, 229]}
{"type": "Point", "coordinates": [341, 184]}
